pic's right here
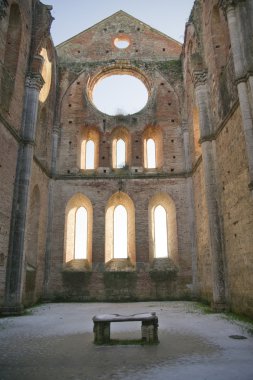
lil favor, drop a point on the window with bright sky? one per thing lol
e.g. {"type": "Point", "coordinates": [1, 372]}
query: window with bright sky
{"type": "Point", "coordinates": [160, 226]}
{"type": "Point", "coordinates": [120, 153]}
{"type": "Point", "coordinates": [90, 155]}
{"type": "Point", "coordinates": [81, 233]}
{"type": "Point", "coordinates": [151, 161]}
{"type": "Point", "coordinates": [120, 233]}
{"type": "Point", "coordinates": [120, 95]}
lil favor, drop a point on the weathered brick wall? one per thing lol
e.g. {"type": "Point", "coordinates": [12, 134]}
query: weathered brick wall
{"type": "Point", "coordinates": [204, 268]}
{"type": "Point", "coordinates": [40, 180]}
{"type": "Point", "coordinates": [237, 206]}
{"type": "Point", "coordinates": [207, 47]}
{"type": "Point", "coordinates": [141, 192]}
{"type": "Point", "coordinates": [8, 159]}
{"type": "Point", "coordinates": [157, 57]}
{"type": "Point", "coordinates": [96, 44]}
{"type": "Point", "coordinates": [14, 115]}
{"type": "Point", "coordinates": [10, 124]}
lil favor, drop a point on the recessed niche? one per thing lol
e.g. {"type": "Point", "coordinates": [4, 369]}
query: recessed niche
{"type": "Point", "coordinates": [121, 42]}
{"type": "Point", "coordinates": [121, 88]}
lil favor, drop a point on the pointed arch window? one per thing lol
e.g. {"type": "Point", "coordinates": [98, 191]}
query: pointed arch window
{"type": "Point", "coordinates": [81, 233]}
{"type": "Point", "coordinates": [151, 153]}
{"type": "Point", "coordinates": [160, 232]}
{"type": "Point", "coordinates": [90, 155]}
{"type": "Point", "coordinates": [120, 153]}
{"type": "Point", "coordinates": [120, 233]}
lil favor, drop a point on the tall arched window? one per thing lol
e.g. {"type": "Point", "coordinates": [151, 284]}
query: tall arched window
{"type": "Point", "coordinates": [90, 155]}
{"type": "Point", "coordinates": [151, 153]}
{"type": "Point", "coordinates": [120, 153]}
{"type": "Point", "coordinates": [81, 232]}
{"type": "Point", "coordinates": [160, 229]}
{"type": "Point", "coordinates": [78, 229]}
{"type": "Point", "coordinates": [152, 148]}
{"type": "Point", "coordinates": [120, 229]}
{"type": "Point", "coordinates": [120, 233]}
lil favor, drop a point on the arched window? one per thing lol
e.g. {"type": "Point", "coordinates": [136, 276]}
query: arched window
{"type": "Point", "coordinates": [81, 233]}
{"type": "Point", "coordinates": [78, 229]}
{"type": "Point", "coordinates": [153, 157]}
{"type": "Point", "coordinates": [90, 155]}
{"type": "Point", "coordinates": [163, 236]}
{"type": "Point", "coordinates": [120, 153]}
{"type": "Point", "coordinates": [120, 229]}
{"type": "Point", "coordinates": [151, 153]}
{"type": "Point", "coordinates": [120, 233]}
{"type": "Point", "coordinates": [160, 229]}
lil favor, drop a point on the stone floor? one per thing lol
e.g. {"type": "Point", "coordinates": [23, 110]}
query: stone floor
{"type": "Point", "coordinates": [55, 342]}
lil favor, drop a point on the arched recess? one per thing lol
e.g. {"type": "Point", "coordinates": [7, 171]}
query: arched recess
{"type": "Point", "coordinates": [33, 229]}
{"type": "Point", "coordinates": [121, 134]}
{"type": "Point", "coordinates": [11, 55]}
{"type": "Point", "coordinates": [164, 200]}
{"type": "Point", "coordinates": [119, 199]}
{"type": "Point", "coordinates": [155, 134]}
{"type": "Point", "coordinates": [77, 202]}
{"type": "Point", "coordinates": [88, 134]}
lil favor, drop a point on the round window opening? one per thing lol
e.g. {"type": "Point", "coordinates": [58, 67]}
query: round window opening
{"type": "Point", "coordinates": [121, 42]}
{"type": "Point", "coordinates": [120, 95]}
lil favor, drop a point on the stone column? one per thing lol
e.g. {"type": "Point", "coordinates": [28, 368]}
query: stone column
{"type": "Point", "coordinates": [55, 142]}
{"type": "Point", "coordinates": [243, 75]}
{"type": "Point", "coordinates": [15, 270]}
{"type": "Point", "coordinates": [191, 208]}
{"type": "Point", "coordinates": [214, 225]}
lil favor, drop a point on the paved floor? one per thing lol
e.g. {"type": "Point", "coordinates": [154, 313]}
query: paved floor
{"type": "Point", "coordinates": [55, 342]}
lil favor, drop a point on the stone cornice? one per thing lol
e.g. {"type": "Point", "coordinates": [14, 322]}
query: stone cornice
{"type": "Point", "coordinates": [199, 77]}
{"type": "Point", "coordinates": [34, 81]}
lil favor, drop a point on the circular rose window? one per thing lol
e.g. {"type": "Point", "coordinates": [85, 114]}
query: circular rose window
{"type": "Point", "coordinates": [119, 94]}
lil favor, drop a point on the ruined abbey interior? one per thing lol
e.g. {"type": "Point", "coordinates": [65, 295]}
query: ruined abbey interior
{"type": "Point", "coordinates": [154, 205]}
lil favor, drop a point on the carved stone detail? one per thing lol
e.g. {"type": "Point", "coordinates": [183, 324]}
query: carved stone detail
{"type": "Point", "coordinates": [34, 81]}
{"type": "Point", "coordinates": [199, 77]}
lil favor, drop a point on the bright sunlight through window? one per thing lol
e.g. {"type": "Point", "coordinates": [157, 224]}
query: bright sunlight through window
{"type": "Point", "coordinates": [120, 233]}
{"type": "Point", "coordinates": [120, 153]}
{"type": "Point", "coordinates": [81, 234]}
{"type": "Point", "coordinates": [151, 161]}
{"type": "Point", "coordinates": [160, 225]}
{"type": "Point", "coordinates": [90, 155]}
{"type": "Point", "coordinates": [120, 95]}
